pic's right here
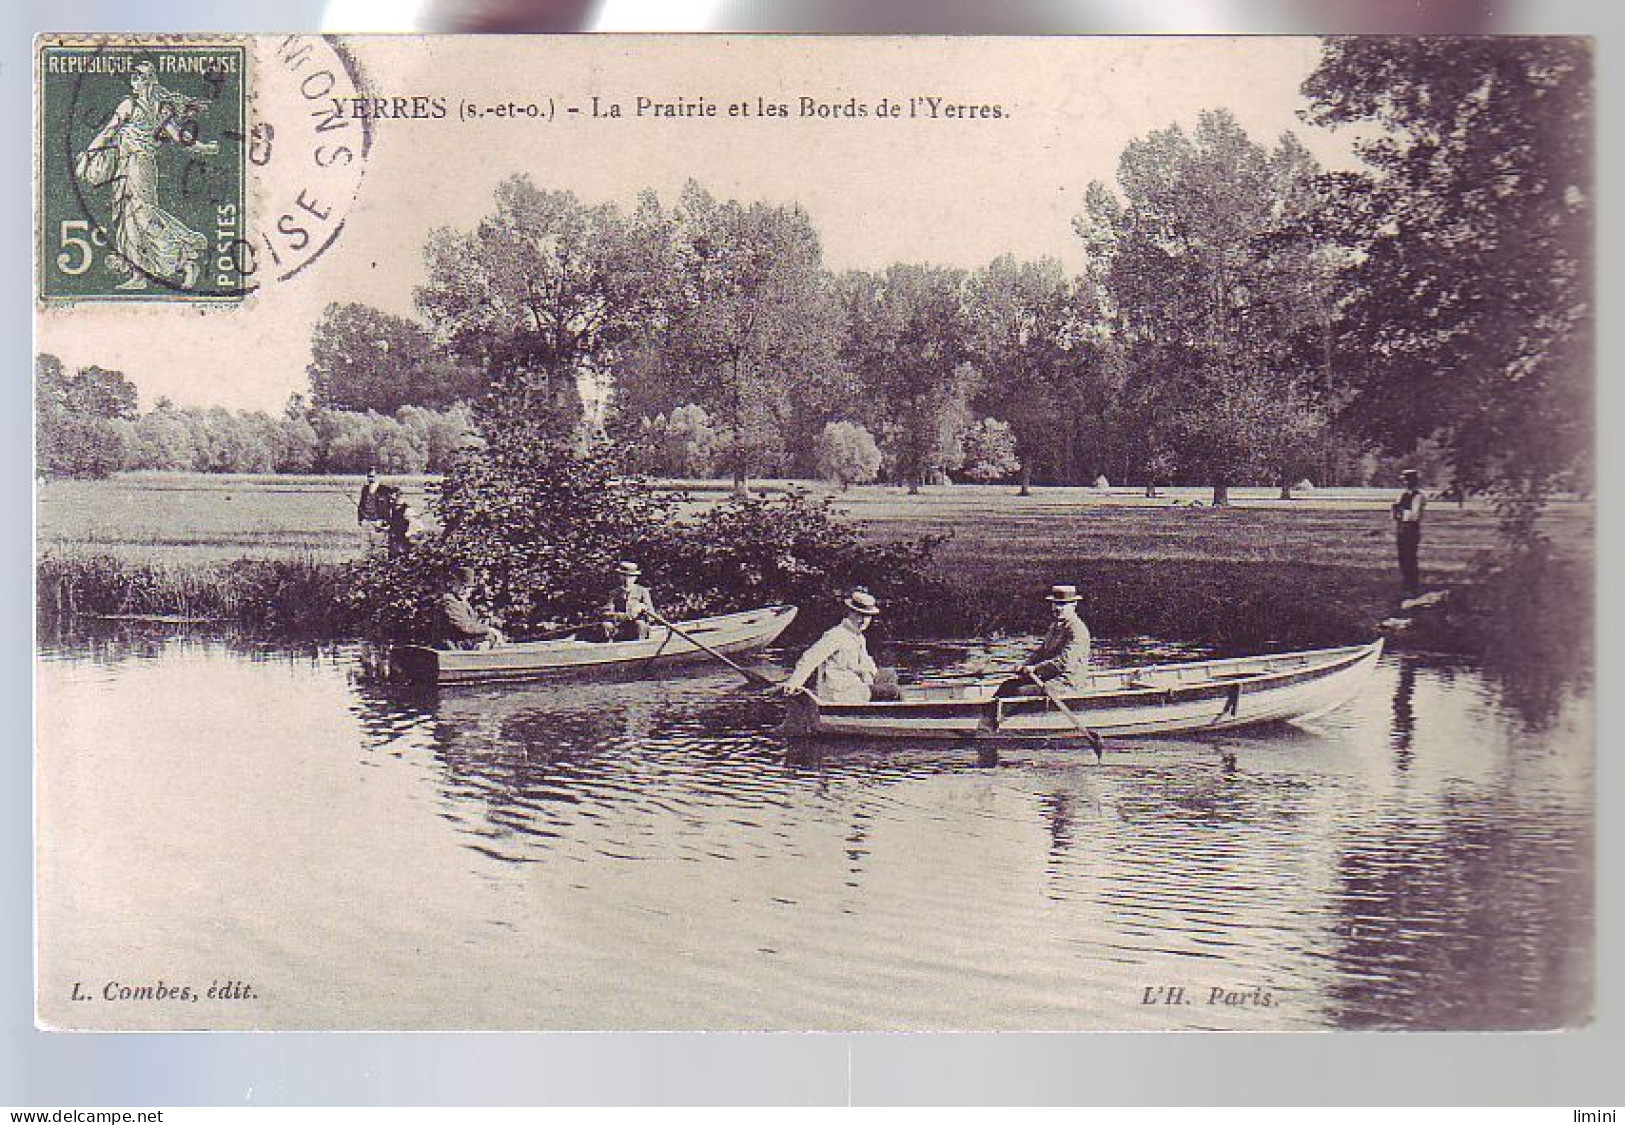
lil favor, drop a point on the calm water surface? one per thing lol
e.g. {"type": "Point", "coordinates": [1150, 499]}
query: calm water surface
{"type": "Point", "coordinates": [655, 855]}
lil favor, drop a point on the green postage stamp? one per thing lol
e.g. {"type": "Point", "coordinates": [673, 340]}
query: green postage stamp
{"type": "Point", "coordinates": [141, 177]}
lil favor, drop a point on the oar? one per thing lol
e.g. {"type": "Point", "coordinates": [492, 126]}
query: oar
{"type": "Point", "coordinates": [753, 676]}
{"type": "Point", "coordinates": [1096, 743]}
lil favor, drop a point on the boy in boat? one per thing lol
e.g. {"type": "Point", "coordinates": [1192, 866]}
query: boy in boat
{"type": "Point", "coordinates": [840, 658]}
{"type": "Point", "coordinates": [626, 616]}
{"type": "Point", "coordinates": [461, 625]}
{"type": "Point", "coordinates": [1061, 660]}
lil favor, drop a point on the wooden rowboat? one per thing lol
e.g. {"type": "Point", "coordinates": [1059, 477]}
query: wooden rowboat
{"type": "Point", "coordinates": [731, 633]}
{"type": "Point", "coordinates": [1151, 700]}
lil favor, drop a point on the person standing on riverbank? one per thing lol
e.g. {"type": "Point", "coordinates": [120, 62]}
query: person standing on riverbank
{"type": "Point", "coordinates": [840, 658]}
{"type": "Point", "coordinates": [461, 626]}
{"type": "Point", "coordinates": [1408, 511]}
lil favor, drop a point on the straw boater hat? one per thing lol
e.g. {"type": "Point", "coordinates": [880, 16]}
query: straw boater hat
{"type": "Point", "coordinates": [862, 601]}
{"type": "Point", "coordinates": [1060, 594]}
{"type": "Point", "coordinates": [629, 569]}
{"type": "Point", "coordinates": [1410, 474]}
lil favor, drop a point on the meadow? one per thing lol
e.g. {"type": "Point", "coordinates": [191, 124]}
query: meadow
{"type": "Point", "coordinates": [1319, 567]}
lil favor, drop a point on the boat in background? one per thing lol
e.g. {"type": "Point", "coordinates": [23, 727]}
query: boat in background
{"type": "Point", "coordinates": [1156, 699]}
{"type": "Point", "coordinates": [731, 633]}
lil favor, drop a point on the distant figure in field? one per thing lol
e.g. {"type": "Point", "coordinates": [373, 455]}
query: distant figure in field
{"type": "Point", "coordinates": [1408, 511]}
{"type": "Point", "coordinates": [840, 660]}
{"type": "Point", "coordinates": [629, 610]}
{"type": "Point", "coordinates": [366, 509]}
{"type": "Point", "coordinates": [461, 626]}
{"type": "Point", "coordinates": [394, 516]}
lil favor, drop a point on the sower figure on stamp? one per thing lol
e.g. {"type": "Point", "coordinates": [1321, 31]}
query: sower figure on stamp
{"type": "Point", "coordinates": [461, 626]}
{"type": "Point", "coordinates": [1408, 511]}
{"type": "Point", "coordinates": [627, 614]}
{"type": "Point", "coordinates": [148, 241]}
{"type": "Point", "coordinates": [1061, 659]}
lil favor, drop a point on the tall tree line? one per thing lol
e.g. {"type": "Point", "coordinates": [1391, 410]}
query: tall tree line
{"type": "Point", "coordinates": [1243, 316]}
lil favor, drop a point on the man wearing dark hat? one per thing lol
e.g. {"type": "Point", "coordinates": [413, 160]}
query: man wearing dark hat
{"type": "Point", "coordinates": [1061, 660]}
{"type": "Point", "coordinates": [840, 658]}
{"type": "Point", "coordinates": [461, 626]}
{"type": "Point", "coordinates": [627, 614]}
{"type": "Point", "coordinates": [1408, 526]}
{"type": "Point", "coordinates": [366, 508]}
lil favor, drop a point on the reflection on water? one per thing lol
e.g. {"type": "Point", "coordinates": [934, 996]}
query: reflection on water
{"type": "Point", "coordinates": [653, 854]}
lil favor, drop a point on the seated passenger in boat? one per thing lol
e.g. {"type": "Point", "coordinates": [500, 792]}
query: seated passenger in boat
{"type": "Point", "coordinates": [1062, 659]}
{"type": "Point", "coordinates": [461, 626]}
{"type": "Point", "coordinates": [628, 612]}
{"type": "Point", "coordinates": [839, 662]}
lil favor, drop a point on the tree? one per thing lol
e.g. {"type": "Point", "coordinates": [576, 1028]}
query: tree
{"type": "Point", "coordinates": [442, 433]}
{"type": "Point", "coordinates": [363, 359]}
{"type": "Point", "coordinates": [684, 444]}
{"type": "Point", "coordinates": [74, 415]}
{"type": "Point", "coordinates": [990, 450]}
{"type": "Point", "coordinates": [908, 342]}
{"type": "Point", "coordinates": [1031, 338]}
{"type": "Point", "coordinates": [751, 325]}
{"type": "Point", "coordinates": [1215, 284]}
{"type": "Point", "coordinates": [1470, 311]}
{"type": "Point", "coordinates": [161, 440]}
{"type": "Point", "coordinates": [539, 295]}
{"type": "Point", "coordinates": [847, 454]}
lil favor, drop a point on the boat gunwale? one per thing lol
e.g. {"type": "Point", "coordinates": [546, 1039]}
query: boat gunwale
{"type": "Point", "coordinates": [773, 614]}
{"type": "Point", "coordinates": [1337, 660]}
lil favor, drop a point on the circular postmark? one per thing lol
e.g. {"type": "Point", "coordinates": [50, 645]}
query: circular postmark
{"type": "Point", "coordinates": [194, 169]}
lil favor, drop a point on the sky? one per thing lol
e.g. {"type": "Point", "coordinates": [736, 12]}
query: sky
{"type": "Point", "coordinates": [951, 191]}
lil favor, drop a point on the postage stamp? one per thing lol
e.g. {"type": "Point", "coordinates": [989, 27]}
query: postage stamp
{"type": "Point", "coordinates": [142, 149]}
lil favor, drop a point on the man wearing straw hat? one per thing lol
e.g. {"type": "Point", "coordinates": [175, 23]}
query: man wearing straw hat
{"type": "Point", "coordinates": [626, 616]}
{"type": "Point", "coordinates": [1062, 659]}
{"type": "Point", "coordinates": [840, 658]}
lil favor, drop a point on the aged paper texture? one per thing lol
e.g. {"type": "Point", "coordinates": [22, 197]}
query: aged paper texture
{"type": "Point", "coordinates": [801, 533]}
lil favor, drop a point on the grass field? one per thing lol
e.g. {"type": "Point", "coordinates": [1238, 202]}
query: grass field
{"type": "Point", "coordinates": [1153, 565]}
{"type": "Point", "coordinates": [991, 530]}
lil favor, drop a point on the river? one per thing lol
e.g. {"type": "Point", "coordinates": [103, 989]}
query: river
{"type": "Point", "coordinates": [324, 851]}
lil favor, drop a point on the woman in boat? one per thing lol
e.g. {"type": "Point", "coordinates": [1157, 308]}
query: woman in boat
{"type": "Point", "coordinates": [1062, 659]}
{"type": "Point", "coordinates": [461, 626]}
{"type": "Point", "coordinates": [840, 658]}
{"type": "Point", "coordinates": [627, 615]}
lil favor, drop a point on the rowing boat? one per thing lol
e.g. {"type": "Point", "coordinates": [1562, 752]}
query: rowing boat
{"type": "Point", "coordinates": [731, 633]}
{"type": "Point", "coordinates": [1150, 700]}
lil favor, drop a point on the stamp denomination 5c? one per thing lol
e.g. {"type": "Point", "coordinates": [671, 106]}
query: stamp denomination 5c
{"type": "Point", "coordinates": [141, 186]}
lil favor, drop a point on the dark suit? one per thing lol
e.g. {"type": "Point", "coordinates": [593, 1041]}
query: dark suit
{"type": "Point", "coordinates": [366, 508]}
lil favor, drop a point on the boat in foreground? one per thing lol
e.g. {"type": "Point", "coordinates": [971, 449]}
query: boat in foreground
{"type": "Point", "coordinates": [1155, 699]}
{"type": "Point", "coordinates": [731, 633]}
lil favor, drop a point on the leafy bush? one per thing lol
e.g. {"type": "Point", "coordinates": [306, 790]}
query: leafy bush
{"type": "Point", "coordinates": [847, 454]}
{"type": "Point", "coordinates": [789, 548]}
{"type": "Point", "coordinates": [542, 522]}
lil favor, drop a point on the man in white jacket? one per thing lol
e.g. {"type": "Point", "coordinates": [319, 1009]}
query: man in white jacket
{"type": "Point", "coordinates": [840, 660]}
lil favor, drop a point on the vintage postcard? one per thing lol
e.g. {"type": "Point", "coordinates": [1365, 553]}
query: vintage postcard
{"type": "Point", "coordinates": [814, 533]}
